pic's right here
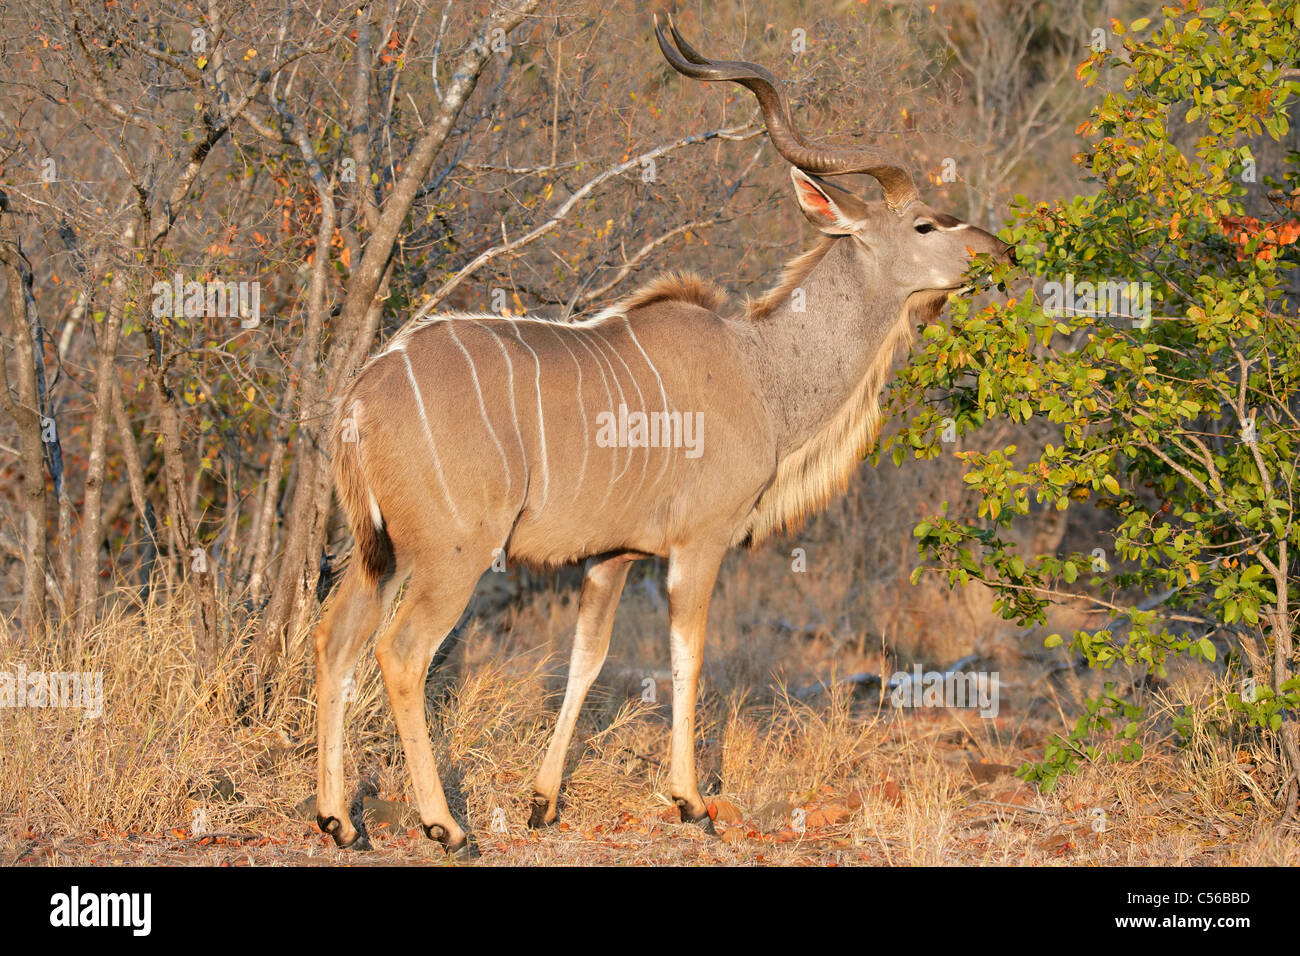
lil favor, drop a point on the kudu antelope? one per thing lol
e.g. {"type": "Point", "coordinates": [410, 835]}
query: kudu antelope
{"type": "Point", "coordinates": [472, 434]}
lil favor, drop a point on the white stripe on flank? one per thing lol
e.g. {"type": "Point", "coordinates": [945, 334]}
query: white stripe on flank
{"type": "Point", "coordinates": [510, 381]}
{"type": "Point", "coordinates": [668, 446]}
{"type": "Point", "coordinates": [402, 337]}
{"type": "Point", "coordinates": [582, 410]}
{"type": "Point", "coordinates": [541, 424]}
{"type": "Point", "coordinates": [645, 458]}
{"type": "Point", "coordinates": [622, 400]}
{"type": "Point", "coordinates": [482, 407]}
{"type": "Point", "coordinates": [609, 398]}
{"type": "Point", "coordinates": [428, 433]}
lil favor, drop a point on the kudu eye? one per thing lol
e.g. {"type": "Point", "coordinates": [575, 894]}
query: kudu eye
{"type": "Point", "coordinates": [924, 227]}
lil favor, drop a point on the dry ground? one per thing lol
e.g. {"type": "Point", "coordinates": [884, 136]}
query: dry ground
{"type": "Point", "coordinates": [833, 780]}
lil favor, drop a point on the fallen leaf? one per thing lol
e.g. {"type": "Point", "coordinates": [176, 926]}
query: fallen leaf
{"type": "Point", "coordinates": [828, 815]}
{"type": "Point", "coordinates": [725, 811]}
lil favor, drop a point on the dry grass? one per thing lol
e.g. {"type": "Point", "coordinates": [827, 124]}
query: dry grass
{"type": "Point", "coordinates": [830, 779]}
{"type": "Point", "coordinates": [836, 780]}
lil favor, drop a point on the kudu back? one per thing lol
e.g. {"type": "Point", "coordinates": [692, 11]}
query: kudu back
{"type": "Point", "coordinates": [671, 424]}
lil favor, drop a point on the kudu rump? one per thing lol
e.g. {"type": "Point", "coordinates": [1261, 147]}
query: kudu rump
{"type": "Point", "coordinates": [666, 425]}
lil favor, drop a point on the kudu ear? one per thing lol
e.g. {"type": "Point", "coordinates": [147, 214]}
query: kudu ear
{"type": "Point", "coordinates": [834, 211]}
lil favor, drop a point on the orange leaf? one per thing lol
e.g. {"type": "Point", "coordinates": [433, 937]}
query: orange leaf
{"type": "Point", "coordinates": [725, 810]}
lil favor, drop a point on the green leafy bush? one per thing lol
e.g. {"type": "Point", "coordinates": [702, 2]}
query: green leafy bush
{"type": "Point", "coordinates": [1164, 346]}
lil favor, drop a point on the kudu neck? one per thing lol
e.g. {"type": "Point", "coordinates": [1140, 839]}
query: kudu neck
{"type": "Point", "coordinates": [817, 347]}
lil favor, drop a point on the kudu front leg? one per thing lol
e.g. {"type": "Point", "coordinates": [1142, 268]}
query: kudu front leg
{"type": "Point", "coordinates": [691, 576]}
{"type": "Point", "coordinates": [602, 585]}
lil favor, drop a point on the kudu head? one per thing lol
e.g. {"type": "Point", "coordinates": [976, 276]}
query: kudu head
{"type": "Point", "coordinates": [903, 241]}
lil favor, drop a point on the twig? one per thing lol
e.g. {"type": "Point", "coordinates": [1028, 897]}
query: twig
{"type": "Point", "coordinates": [742, 132]}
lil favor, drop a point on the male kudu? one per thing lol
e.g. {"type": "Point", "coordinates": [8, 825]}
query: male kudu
{"type": "Point", "coordinates": [473, 433]}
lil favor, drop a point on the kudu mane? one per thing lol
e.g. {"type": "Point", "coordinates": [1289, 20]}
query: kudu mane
{"type": "Point", "coordinates": [792, 276]}
{"type": "Point", "coordinates": [816, 472]}
{"type": "Point", "coordinates": [673, 287]}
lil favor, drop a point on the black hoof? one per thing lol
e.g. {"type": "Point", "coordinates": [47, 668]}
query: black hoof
{"type": "Point", "coordinates": [703, 821]}
{"type": "Point", "coordinates": [463, 849]}
{"type": "Point", "coordinates": [334, 828]}
{"type": "Point", "coordinates": [537, 815]}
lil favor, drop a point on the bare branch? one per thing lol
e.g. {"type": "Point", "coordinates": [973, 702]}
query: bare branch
{"type": "Point", "coordinates": [734, 133]}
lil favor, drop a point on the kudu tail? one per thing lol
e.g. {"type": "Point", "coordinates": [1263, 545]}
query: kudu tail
{"type": "Point", "coordinates": [373, 549]}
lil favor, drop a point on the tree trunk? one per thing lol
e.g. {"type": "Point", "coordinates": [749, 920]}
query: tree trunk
{"type": "Point", "coordinates": [23, 407]}
{"type": "Point", "coordinates": [135, 472]}
{"type": "Point", "coordinates": [87, 576]}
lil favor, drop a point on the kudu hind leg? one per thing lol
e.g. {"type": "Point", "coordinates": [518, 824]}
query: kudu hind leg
{"type": "Point", "coordinates": [602, 585]}
{"type": "Point", "coordinates": [691, 577]}
{"type": "Point", "coordinates": [431, 608]}
{"type": "Point", "coordinates": [350, 618]}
